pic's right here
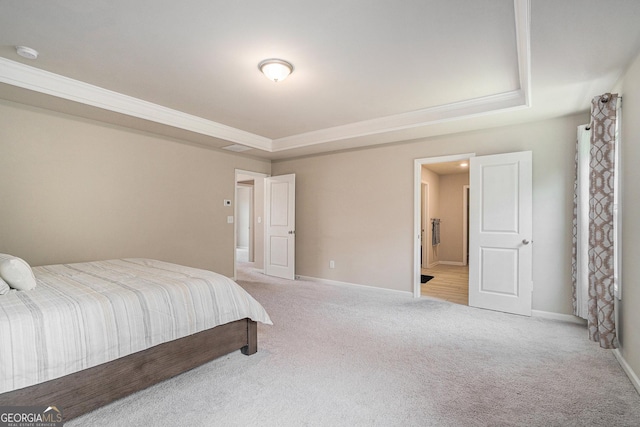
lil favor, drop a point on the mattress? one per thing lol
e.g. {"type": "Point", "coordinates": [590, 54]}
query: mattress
{"type": "Point", "coordinates": [81, 315]}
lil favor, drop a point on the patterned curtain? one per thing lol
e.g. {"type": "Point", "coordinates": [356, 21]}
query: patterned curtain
{"type": "Point", "coordinates": [574, 232]}
{"type": "Point", "coordinates": [601, 316]}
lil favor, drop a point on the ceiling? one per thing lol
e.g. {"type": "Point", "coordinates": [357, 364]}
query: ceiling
{"type": "Point", "coordinates": [448, 168]}
{"type": "Point", "coordinates": [366, 72]}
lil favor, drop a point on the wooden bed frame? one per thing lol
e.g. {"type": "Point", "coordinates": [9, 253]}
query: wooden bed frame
{"type": "Point", "coordinates": [81, 392]}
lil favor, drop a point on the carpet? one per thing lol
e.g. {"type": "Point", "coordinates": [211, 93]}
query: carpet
{"type": "Point", "coordinates": [425, 278]}
{"type": "Point", "coordinates": [357, 356]}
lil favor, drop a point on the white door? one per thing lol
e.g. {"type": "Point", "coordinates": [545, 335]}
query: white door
{"type": "Point", "coordinates": [500, 249]}
{"type": "Point", "coordinates": [280, 220]}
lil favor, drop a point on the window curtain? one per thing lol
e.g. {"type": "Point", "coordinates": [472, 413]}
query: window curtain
{"type": "Point", "coordinates": [599, 247]}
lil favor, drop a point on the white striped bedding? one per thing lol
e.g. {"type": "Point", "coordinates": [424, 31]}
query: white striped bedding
{"type": "Point", "coordinates": [82, 315]}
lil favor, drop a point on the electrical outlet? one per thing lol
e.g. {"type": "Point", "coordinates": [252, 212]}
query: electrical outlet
{"type": "Point", "coordinates": [332, 264]}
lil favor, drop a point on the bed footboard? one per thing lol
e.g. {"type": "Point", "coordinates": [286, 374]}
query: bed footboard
{"type": "Point", "coordinates": [84, 391]}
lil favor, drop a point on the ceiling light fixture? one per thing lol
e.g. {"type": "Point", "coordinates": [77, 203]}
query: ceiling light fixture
{"type": "Point", "coordinates": [27, 52]}
{"type": "Point", "coordinates": [275, 69]}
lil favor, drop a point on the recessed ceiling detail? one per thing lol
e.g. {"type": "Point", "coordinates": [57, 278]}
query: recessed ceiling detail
{"type": "Point", "coordinates": [365, 73]}
{"type": "Point", "coordinates": [514, 94]}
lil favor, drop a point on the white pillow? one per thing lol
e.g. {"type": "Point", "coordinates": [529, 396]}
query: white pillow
{"type": "Point", "coordinates": [17, 273]}
{"type": "Point", "coordinates": [4, 287]}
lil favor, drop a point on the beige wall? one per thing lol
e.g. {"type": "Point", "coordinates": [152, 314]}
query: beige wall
{"type": "Point", "coordinates": [433, 211]}
{"type": "Point", "coordinates": [451, 213]}
{"type": "Point", "coordinates": [76, 190]}
{"type": "Point", "coordinates": [628, 312]}
{"type": "Point", "coordinates": [356, 207]}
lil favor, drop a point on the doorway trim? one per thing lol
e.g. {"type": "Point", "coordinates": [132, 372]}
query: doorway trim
{"type": "Point", "coordinates": [417, 190]}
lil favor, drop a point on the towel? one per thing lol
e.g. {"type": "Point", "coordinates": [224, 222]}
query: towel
{"type": "Point", "coordinates": [435, 231]}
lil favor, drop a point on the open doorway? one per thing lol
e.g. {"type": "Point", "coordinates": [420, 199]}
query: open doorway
{"type": "Point", "coordinates": [245, 235]}
{"type": "Point", "coordinates": [249, 220]}
{"type": "Point", "coordinates": [500, 230]}
{"type": "Point", "coordinates": [443, 184]}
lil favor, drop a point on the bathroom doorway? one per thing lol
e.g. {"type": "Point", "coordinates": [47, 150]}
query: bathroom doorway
{"type": "Point", "coordinates": [444, 269]}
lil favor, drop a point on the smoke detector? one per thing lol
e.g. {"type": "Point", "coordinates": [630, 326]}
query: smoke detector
{"type": "Point", "coordinates": [27, 52]}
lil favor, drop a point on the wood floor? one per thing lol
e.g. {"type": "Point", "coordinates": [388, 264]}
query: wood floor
{"type": "Point", "coordinates": [449, 283]}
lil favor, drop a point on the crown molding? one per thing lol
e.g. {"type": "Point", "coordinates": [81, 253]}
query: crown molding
{"type": "Point", "coordinates": [27, 77]}
{"type": "Point", "coordinates": [419, 118]}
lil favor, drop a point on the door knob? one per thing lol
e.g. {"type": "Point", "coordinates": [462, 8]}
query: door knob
{"type": "Point", "coordinates": [525, 242]}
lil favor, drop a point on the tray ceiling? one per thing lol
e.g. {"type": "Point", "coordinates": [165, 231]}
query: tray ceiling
{"type": "Point", "coordinates": [365, 72]}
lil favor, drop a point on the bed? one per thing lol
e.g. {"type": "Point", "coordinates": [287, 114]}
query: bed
{"type": "Point", "coordinates": [91, 333]}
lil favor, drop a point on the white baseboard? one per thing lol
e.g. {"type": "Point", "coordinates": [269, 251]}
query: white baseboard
{"type": "Point", "coordinates": [338, 283]}
{"type": "Point", "coordinates": [434, 264]}
{"type": "Point", "coordinates": [558, 316]}
{"type": "Point", "coordinates": [627, 370]}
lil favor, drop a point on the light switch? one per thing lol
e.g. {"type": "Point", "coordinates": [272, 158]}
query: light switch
{"type": "Point", "coordinates": [230, 219]}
